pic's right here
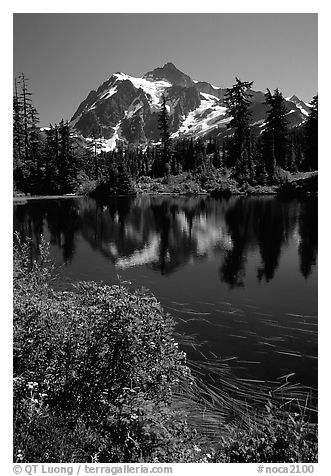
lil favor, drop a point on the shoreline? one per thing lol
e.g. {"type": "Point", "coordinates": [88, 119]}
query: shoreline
{"type": "Point", "coordinates": [23, 198]}
{"type": "Point", "coordinates": [297, 186]}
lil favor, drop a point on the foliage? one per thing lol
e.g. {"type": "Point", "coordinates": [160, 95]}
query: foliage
{"type": "Point", "coordinates": [311, 137]}
{"type": "Point", "coordinates": [95, 371]}
{"type": "Point", "coordinates": [55, 161]}
{"type": "Point", "coordinates": [118, 182]}
{"type": "Point", "coordinates": [164, 159]}
{"type": "Point", "coordinates": [85, 185]}
{"type": "Point", "coordinates": [283, 437]}
{"type": "Point", "coordinates": [303, 186]}
{"type": "Point", "coordinates": [275, 135]}
{"type": "Point", "coordinates": [98, 377]}
{"type": "Point", "coordinates": [237, 100]}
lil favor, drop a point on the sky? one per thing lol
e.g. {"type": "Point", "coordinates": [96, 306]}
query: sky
{"type": "Point", "coordinates": [65, 56]}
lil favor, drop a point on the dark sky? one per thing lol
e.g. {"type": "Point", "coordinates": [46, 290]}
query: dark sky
{"type": "Point", "coordinates": [67, 55]}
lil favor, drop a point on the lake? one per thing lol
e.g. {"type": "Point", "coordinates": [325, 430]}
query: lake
{"type": "Point", "coordinates": [238, 273]}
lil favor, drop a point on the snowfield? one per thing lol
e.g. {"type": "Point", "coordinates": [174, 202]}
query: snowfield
{"type": "Point", "coordinates": [208, 116]}
{"type": "Point", "coordinates": [152, 89]}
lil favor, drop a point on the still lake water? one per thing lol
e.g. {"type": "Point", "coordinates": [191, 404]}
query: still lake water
{"type": "Point", "coordinates": [240, 274]}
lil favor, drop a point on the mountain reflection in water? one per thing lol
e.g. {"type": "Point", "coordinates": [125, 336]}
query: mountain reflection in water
{"type": "Point", "coordinates": [239, 274]}
{"type": "Point", "coordinates": [167, 233]}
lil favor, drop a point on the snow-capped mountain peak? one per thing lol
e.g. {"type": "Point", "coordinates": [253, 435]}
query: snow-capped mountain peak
{"type": "Point", "coordinates": [126, 108]}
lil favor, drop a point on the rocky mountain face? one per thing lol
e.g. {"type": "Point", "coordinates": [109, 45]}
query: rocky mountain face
{"type": "Point", "coordinates": [125, 108]}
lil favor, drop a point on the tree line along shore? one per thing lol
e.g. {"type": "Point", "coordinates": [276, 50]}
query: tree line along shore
{"type": "Point", "coordinates": [56, 161]}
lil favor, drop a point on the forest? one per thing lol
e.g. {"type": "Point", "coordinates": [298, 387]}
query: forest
{"type": "Point", "coordinates": [55, 160]}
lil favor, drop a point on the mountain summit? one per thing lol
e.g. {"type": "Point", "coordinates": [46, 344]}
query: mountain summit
{"type": "Point", "coordinates": [126, 108]}
{"type": "Point", "coordinates": [170, 73]}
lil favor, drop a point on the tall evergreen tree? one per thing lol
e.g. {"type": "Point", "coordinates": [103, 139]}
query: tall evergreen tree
{"type": "Point", "coordinates": [25, 98]}
{"type": "Point", "coordinates": [276, 132]}
{"type": "Point", "coordinates": [35, 152]}
{"type": "Point", "coordinates": [163, 125]}
{"type": "Point", "coordinates": [51, 160]}
{"type": "Point", "coordinates": [18, 139]}
{"type": "Point", "coordinates": [237, 100]}
{"type": "Point", "coordinates": [66, 169]}
{"type": "Point", "coordinates": [27, 141]}
{"type": "Point", "coordinates": [311, 137]}
{"type": "Point", "coordinates": [17, 127]}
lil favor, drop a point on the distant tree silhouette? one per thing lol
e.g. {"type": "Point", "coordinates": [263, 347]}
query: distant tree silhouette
{"type": "Point", "coordinates": [276, 132]}
{"type": "Point", "coordinates": [237, 100]}
{"type": "Point", "coordinates": [165, 152]}
{"type": "Point", "coordinates": [311, 137]}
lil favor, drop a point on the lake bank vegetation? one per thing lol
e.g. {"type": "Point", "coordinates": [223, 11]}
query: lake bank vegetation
{"type": "Point", "coordinates": [99, 376]}
{"type": "Point", "coordinates": [55, 161]}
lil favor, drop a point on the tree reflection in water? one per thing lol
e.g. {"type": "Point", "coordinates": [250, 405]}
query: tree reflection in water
{"type": "Point", "coordinates": [166, 233]}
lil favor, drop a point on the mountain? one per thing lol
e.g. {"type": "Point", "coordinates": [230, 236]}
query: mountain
{"type": "Point", "coordinates": [127, 108]}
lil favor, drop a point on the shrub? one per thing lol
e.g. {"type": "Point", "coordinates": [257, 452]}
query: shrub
{"type": "Point", "coordinates": [84, 185]}
{"type": "Point", "coordinates": [283, 437]}
{"type": "Point", "coordinates": [98, 377]}
{"type": "Point", "coordinates": [95, 370]}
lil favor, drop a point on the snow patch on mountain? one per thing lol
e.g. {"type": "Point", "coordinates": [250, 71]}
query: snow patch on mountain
{"type": "Point", "coordinates": [105, 95]}
{"type": "Point", "coordinates": [303, 107]}
{"type": "Point", "coordinates": [212, 85]}
{"type": "Point", "coordinates": [304, 112]}
{"type": "Point", "coordinates": [257, 123]}
{"type": "Point", "coordinates": [110, 144]}
{"type": "Point", "coordinates": [205, 118]}
{"type": "Point", "coordinates": [133, 108]}
{"type": "Point", "coordinates": [153, 89]}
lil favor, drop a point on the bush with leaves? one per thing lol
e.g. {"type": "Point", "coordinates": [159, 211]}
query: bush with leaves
{"type": "Point", "coordinates": [98, 377]}
{"type": "Point", "coordinates": [282, 437]}
{"type": "Point", "coordinates": [95, 370]}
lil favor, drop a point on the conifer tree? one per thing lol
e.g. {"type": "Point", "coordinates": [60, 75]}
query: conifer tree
{"type": "Point", "coordinates": [27, 142]}
{"type": "Point", "coordinates": [66, 170]}
{"type": "Point", "coordinates": [163, 125]}
{"type": "Point", "coordinates": [311, 137]}
{"type": "Point", "coordinates": [276, 132]}
{"type": "Point", "coordinates": [25, 98]}
{"type": "Point", "coordinates": [18, 140]}
{"type": "Point", "coordinates": [35, 152]}
{"type": "Point", "coordinates": [17, 128]}
{"type": "Point", "coordinates": [50, 160]}
{"type": "Point", "coordinates": [237, 100]}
